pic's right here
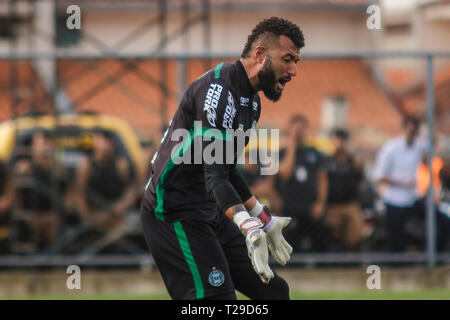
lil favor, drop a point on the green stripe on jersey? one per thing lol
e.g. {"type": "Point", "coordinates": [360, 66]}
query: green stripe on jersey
{"type": "Point", "coordinates": [177, 155]}
{"type": "Point", "coordinates": [160, 190]}
{"type": "Point", "coordinates": [186, 249]}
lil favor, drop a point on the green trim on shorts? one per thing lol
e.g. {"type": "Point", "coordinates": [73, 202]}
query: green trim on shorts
{"type": "Point", "coordinates": [186, 249]}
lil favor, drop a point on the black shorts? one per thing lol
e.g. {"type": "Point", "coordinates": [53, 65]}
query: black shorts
{"type": "Point", "coordinates": [206, 259]}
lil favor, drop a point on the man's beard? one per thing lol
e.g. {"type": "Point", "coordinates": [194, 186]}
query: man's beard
{"type": "Point", "coordinates": [267, 81]}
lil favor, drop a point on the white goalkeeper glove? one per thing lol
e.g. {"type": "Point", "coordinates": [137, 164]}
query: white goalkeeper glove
{"type": "Point", "coordinates": [273, 225]}
{"type": "Point", "coordinates": [255, 238]}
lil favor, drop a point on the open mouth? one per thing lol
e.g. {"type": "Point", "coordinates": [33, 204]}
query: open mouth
{"type": "Point", "coordinates": [281, 83]}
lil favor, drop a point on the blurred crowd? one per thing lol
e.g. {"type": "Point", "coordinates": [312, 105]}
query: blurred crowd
{"type": "Point", "coordinates": [338, 203]}
{"type": "Point", "coordinates": [46, 207]}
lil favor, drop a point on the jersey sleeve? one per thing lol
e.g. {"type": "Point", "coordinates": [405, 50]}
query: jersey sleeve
{"type": "Point", "coordinates": [240, 185]}
{"type": "Point", "coordinates": [216, 112]}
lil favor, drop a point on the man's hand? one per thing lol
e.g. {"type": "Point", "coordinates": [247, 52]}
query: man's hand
{"type": "Point", "coordinates": [256, 240]}
{"type": "Point", "coordinates": [278, 246]}
{"type": "Point", "coordinates": [259, 254]}
{"type": "Point", "coordinates": [273, 225]}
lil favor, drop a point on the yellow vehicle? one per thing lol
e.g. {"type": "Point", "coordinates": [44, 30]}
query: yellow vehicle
{"type": "Point", "coordinates": [73, 137]}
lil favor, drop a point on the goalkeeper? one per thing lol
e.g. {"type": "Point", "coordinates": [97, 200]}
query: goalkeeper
{"type": "Point", "coordinates": [208, 234]}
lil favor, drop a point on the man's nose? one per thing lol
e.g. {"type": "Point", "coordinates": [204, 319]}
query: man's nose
{"type": "Point", "coordinates": [292, 71]}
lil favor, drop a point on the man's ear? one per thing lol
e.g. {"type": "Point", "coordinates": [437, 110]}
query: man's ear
{"type": "Point", "coordinates": [260, 55]}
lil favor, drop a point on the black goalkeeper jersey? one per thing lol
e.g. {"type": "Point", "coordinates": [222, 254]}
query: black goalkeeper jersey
{"type": "Point", "coordinates": [182, 184]}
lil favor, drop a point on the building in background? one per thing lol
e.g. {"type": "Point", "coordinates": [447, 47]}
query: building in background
{"type": "Point", "coordinates": [365, 96]}
{"type": "Point", "coordinates": [418, 25]}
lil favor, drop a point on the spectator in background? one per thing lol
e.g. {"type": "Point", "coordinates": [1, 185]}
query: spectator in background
{"type": "Point", "coordinates": [395, 169]}
{"type": "Point", "coordinates": [423, 172]}
{"type": "Point", "coordinates": [39, 184]}
{"type": "Point", "coordinates": [423, 177]}
{"type": "Point", "coordinates": [444, 175]}
{"type": "Point", "coordinates": [6, 196]}
{"type": "Point", "coordinates": [105, 189]}
{"type": "Point", "coordinates": [423, 183]}
{"type": "Point", "coordinates": [344, 181]}
{"type": "Point", "coordinates": [444, 205]}
{"type": "Point", "coordinates": [302, 183]}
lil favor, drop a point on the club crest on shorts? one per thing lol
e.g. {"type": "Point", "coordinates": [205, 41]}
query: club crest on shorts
{"type": "Point", "coordinates": [216, 278]}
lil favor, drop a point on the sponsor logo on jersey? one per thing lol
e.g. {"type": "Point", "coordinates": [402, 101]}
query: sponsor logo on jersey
{"type": "Point", "coordinates": [216, 278]}
{"type": "Point", "coordinates": [244, 101]}
{"type": "Point", "coordinates": [255, 106]}
{"type": "Point", "coordinates": [230, 112]}
{"type": "Point", "coordinates": [212, 102]}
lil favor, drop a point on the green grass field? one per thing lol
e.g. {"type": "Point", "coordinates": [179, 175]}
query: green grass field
{"type": "Point", "coordinates": [296, 295]}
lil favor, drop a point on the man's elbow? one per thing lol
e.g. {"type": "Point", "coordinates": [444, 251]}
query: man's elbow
{"type": "Point", "coordinates": [212, 181]}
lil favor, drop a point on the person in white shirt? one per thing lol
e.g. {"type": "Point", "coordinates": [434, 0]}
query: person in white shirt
{"type": "Point", "coordinates": [395, 171]}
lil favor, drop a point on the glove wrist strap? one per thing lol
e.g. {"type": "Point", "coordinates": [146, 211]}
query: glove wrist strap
{"type": "Point", "coordinates": [266, 217]}
{"type": "Point", "coordinates": [262, 213]}
{"type": "Point", "coordinates": [246, 223]}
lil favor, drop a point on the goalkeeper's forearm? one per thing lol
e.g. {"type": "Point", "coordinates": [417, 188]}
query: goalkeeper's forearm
{"type": "Point", "coordinates": [230, 212]}
{"type": "Point", "coordinates": [250, 203]}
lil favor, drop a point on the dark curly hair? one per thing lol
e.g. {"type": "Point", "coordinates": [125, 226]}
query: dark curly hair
{"type": "Point", "coordinates": [274, 26]}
